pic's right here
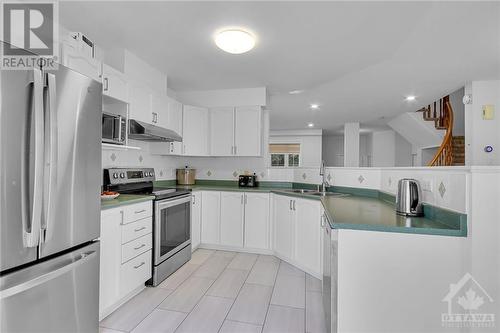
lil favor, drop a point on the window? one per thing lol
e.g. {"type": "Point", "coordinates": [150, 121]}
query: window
{"type": "Point", "coordinates": [285, 154]}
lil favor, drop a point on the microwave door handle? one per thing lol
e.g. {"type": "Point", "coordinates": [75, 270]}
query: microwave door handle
{"type": "Point", "coordinates": [119, 128]}
{"type": "Point", "coordinates": [32, 188]}
{"type": "Point", "coordinates": [50, 178]}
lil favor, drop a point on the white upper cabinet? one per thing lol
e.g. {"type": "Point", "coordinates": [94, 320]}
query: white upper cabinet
{"type": "Point", "coordinates": [222, 131]}
{"type": "Point", "coordinates": [231, 218]}
{"type": "Point", "coordinates": [195, 131]}
{"type": "Point", "coordinates": [114, 83]}
{"type": "Point", "coordinates": [257, 229]}
{"type": "Point", "coordinates": [308, 234]}
{"type": "Point", "coordinates": [210, 217]}
{"type": "Point", "coordinates": [140, 102]}
{"type": "Point", "coordinates": [159, 109]}
{"type": "Point", "coordinates": [175, 116]}
{"type": "Point", "coordinates": [76, 60]}
{"type": "Point", "coordinates": [248, 131]}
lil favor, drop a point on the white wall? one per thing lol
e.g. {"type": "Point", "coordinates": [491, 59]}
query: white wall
{"type": "Point", "coordinates": [384, 148]}
{"type": "Point", "coordinates": [458, 108]}
{"type": "Point", "coordinates": [333, 150]}
{"type": "Point", "coordinates": [403, 152]}
{"type": "Point", "coordinates": [310, 144]}
{"type": "Point", "coordinates": [351, 144]}
{"type": "Point", "coordinates": [138, 69]}
{"type": "Point", "coordinates": [478, 132]}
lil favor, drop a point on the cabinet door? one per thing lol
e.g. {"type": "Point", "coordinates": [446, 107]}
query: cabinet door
{"type": "Point", "coordinates": [196, 220]}
{"type": "Point", "coordinates": [231, 218]}
{"type": "Point", "coordinates": [114, 83]}
{"type": "Point", "coordinates": [195, 131]}
{"type": "Point", "coordinates": [140, 102]}
{"type": "Point", "coordinates": [283, 226]}
{"type": "Point", "coordinates": [248, 131]}
{"type": "Point", "coordinates": [175, 116]}
{"type": "Point", "coordinates": [210, 217]}
{"type": "Point", "coordinates": [159, 105]}
{"type": "Point", "coordinates": [222, 131]}
{"type": "Point", "coordinates": [308, 234]}
{"type": "Point", "coordinates": [74, 59]}
{"type": "Point", "coordinates": [110, 258]}
{"type": "Point", "coordinates": [257, 229]}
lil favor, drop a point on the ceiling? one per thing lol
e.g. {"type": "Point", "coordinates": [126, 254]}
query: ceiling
{"type": "Point", "coordinates": [357, 60]}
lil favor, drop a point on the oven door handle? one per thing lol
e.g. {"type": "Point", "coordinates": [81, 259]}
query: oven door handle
{"type": "Point", "coordinates": [166, 203]}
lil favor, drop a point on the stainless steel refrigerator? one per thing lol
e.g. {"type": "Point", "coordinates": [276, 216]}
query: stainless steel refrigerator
{"type": "Point", "coordinates": [50, 178]}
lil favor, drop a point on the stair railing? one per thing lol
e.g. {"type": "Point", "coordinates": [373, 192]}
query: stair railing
{"type": "Point", "coordinates": [444, 155]}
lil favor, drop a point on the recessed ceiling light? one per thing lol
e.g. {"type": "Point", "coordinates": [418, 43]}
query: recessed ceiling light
{"type": "Point", "coordinates": [235, 41]}
{"type": "Point", "coordinates": [310, 125]}
{"type": "Point", "coordinates": [410, 98]}
{"type": "Point", "coordinates": [314, 106]}
{"type": "Point", "coordinates": [295, 92]}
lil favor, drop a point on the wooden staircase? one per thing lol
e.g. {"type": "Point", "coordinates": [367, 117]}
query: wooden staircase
{"type": "Point", "coordinates": [452, 149]}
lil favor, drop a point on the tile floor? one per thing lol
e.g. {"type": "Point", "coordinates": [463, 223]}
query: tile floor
{"type": "Point", "coordinates": [229, 292]}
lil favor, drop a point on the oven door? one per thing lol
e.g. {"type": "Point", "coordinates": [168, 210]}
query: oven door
{"type": "Point", "coordinates": [172, 227]}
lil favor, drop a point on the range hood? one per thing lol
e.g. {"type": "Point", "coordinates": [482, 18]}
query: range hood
{"type": "Point", "coordinates": [139, 130]}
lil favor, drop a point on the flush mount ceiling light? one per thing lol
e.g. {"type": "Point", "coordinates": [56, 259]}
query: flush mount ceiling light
{"type": "Point", "coordinates": [235, 41]}
{"type": "Point", "coordinates": [314, 106]}
{"type": "Point", "coordinates": [310, 125]}
{"type": "Point", "coordinates": [296, 92]}
{"type": "Point", "coordinates": [410, 98]}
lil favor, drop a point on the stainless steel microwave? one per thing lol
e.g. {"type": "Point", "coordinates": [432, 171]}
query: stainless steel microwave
{"type": "Point", "coordinates": [114, 128]}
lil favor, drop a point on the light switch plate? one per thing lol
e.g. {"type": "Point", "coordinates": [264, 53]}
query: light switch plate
{"type": "Point", "coordinates": [488, 112]}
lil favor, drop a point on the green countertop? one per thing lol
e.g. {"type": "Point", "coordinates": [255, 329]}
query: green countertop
{"type": "Point", "coordinates": [372, 214]}
{"type": "Point", "coordinates": [124, 199]}
{"type": "Point", "coordinates": [370, 211]}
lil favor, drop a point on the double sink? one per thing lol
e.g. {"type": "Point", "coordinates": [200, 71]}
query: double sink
{"type": "Point", "coordinates": [317, 193]}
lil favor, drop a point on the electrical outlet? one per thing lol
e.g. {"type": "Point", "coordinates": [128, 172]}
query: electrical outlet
{"type": "Point", "coordinates": [427, 185]}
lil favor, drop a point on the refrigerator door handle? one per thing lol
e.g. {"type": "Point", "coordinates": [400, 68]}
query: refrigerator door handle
{"type": "Point", "coordinates": [31, 197]}
{"type": "Point", "coordinates": [50, 155]}
{"type": "Point", "coordinates": [26, 285]}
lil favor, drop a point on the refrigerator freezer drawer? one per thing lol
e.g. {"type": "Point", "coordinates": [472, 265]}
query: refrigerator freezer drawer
{"type": "Point", "coordinates": [58, 295]}
{"type": "Point", "coordinates": [135, 272]}
{"type": "Point", "coordinates": [134, 248]}
{"type": "Point", "coordinates": [137, 229]}
{"type": "Point", "coordinates": [132, 213]}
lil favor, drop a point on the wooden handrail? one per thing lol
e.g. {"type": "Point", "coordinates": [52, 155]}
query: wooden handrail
{"type": "Point", "coordinates": [444, 155]}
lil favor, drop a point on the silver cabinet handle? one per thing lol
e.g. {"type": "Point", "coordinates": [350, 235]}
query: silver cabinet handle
{"type": "Point", "coordinates": [23, 286]}
{"type": "Point", "coordinates": [293, 204]}
{"type": "Point", "coordinates": [242, 200]}
{"type": "Point", "coordinates": [194, 200]}
{"type": "Point", "coordinates": [235, 150]}
{"type": "Point", "coordinates": [139, 211]}
{"type": "Point", "coordinates": [106, 84]}
{"type": "Point", "coordinates": [137, 230]}
{"type": "Point", "coordinates": [322, 221]}
{"type": "Point", "coordinates": [246, 198]}
{"type": "Point", "coordinates": [139, 247]}
{"type": "Point", "coordinates": [290, 204]}
{"type": "Point", "coordinates": [141, 264]}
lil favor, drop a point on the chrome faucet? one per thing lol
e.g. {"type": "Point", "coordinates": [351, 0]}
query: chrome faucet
{"type": "Point", "coordinates": [324, 182]}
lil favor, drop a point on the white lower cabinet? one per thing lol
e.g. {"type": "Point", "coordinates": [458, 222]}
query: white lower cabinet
{"type": "Point", "coordinates": [210, 221]}
{"type": "Point", "coordinates": [308, 234]}
{"type": "Point", "coordinates": [196, 220]}
{"type": "Point", "coordinates": [257, 231]}
{"type": "Point", "coordinates": [283, 226]}
{"type": "Point", "coordinates": [231, 218]}
{"type": "Point", "coordinates": [125, 259]}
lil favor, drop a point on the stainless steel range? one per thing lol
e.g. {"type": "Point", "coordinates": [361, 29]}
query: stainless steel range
{"type": "Point", "coordinates": [171, 222]}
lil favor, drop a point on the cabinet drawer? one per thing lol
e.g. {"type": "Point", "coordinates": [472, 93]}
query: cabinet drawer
{"type": "Point", "coordinates": [134, 248]}
{"type": "Point", "coordinates": [137, 211]}
{"type": "Point", "coordinates": [135, 272]}
{"type": "Point", "coordinates": [136, 229]}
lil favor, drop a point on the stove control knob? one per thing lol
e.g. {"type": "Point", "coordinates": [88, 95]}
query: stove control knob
{"type": "Point", "coordinates": [115, 175]}
{"type": "Point", "coordinates": [122, 175]}
{"type": "Point", "coordinates": [150, 174]}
